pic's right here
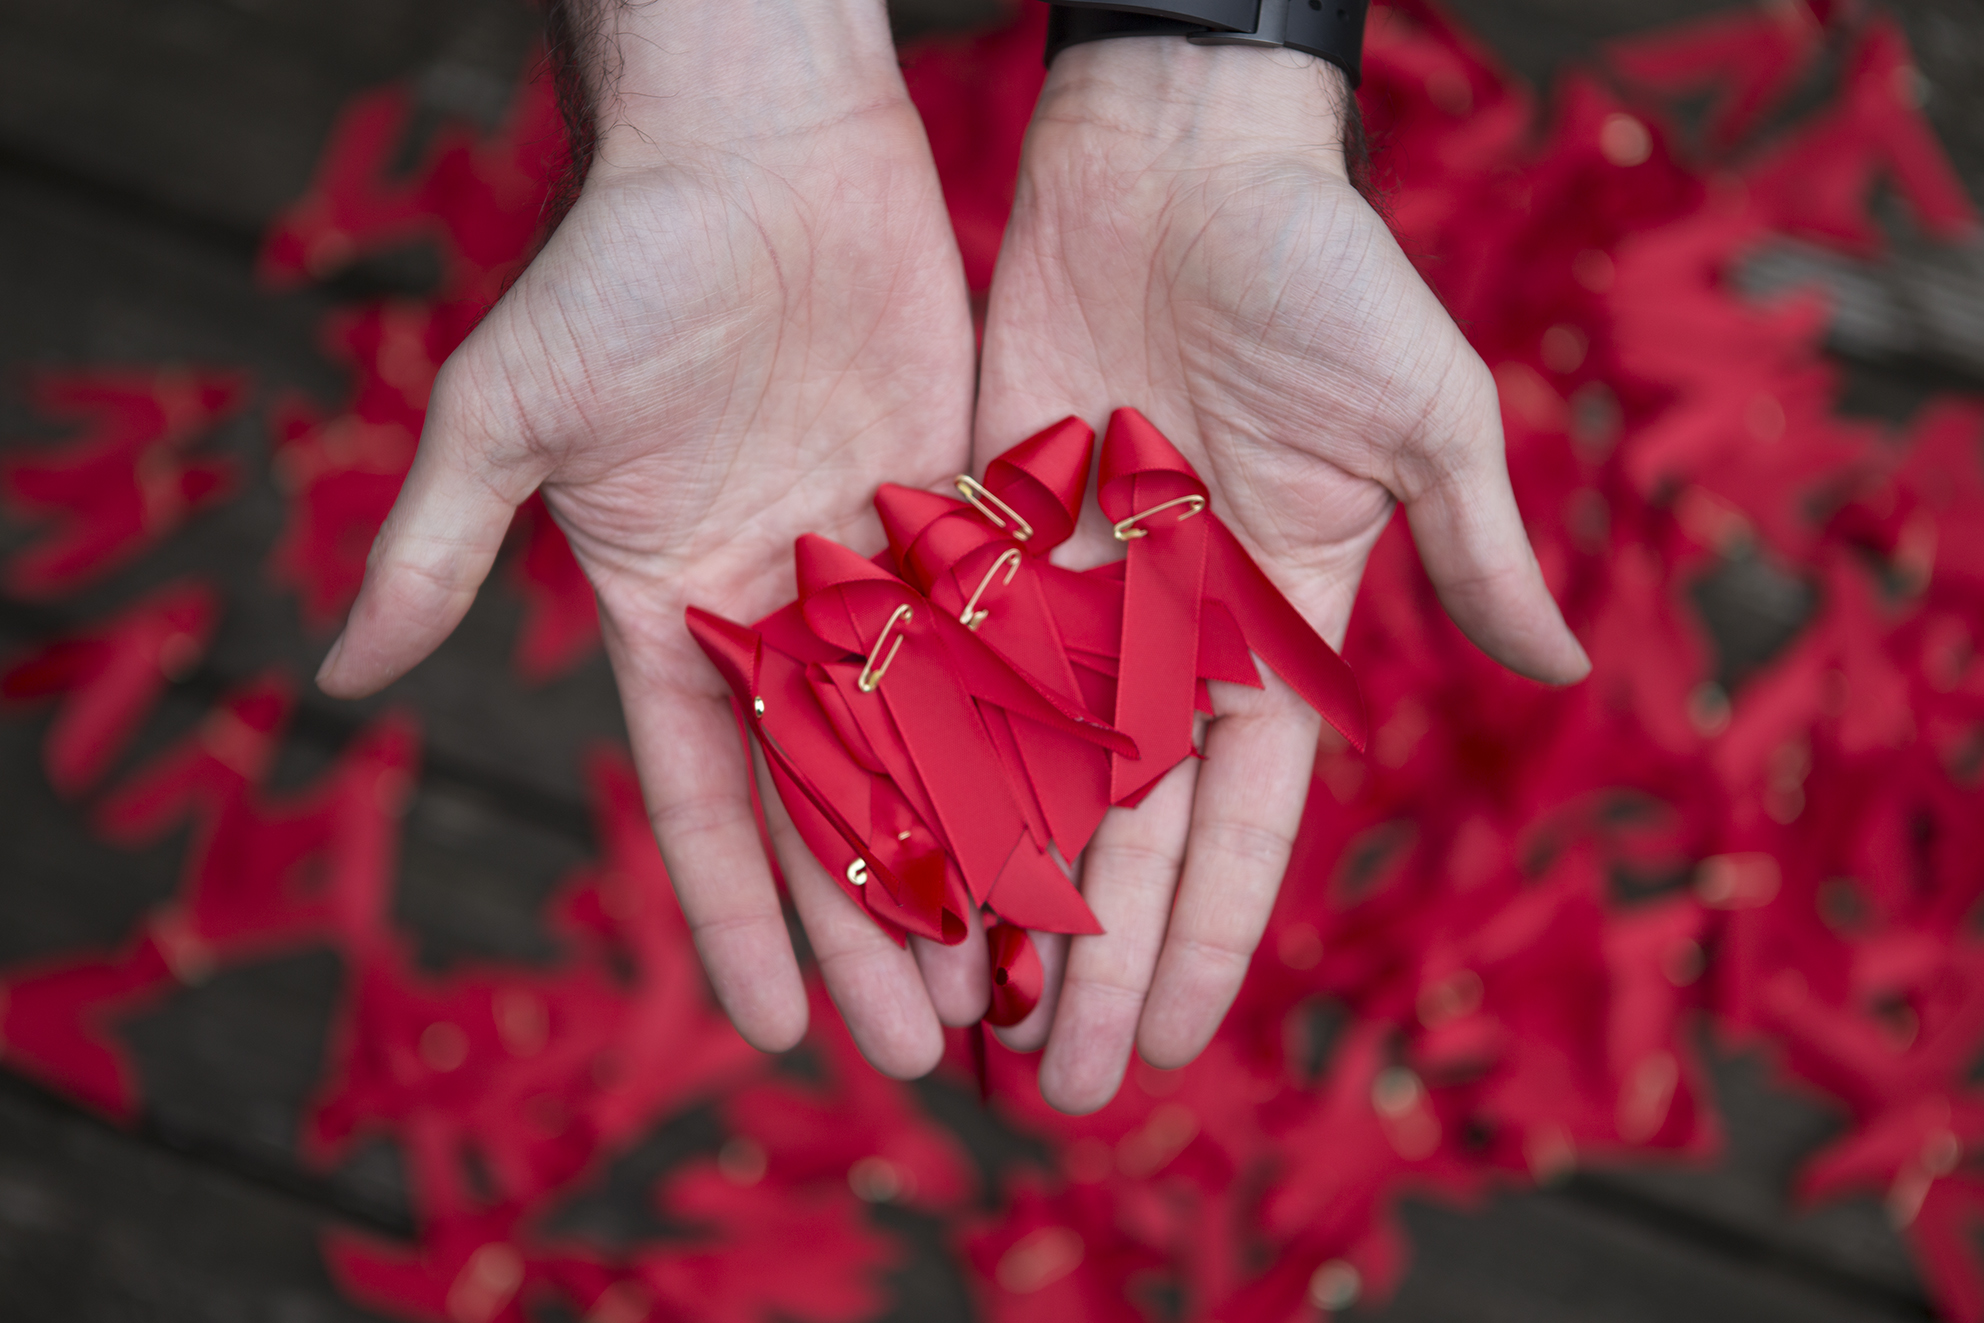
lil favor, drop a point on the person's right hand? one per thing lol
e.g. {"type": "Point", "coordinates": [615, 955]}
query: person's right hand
{"type": "Point", "coordinates": [754, 313]}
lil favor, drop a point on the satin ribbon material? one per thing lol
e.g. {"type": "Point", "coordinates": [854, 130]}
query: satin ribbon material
{"type": "Point", "coordinates": [1017, 976]}
{"type": "Point", "coordinates": [110, 677]}
{"type": "Point", "coordinates": [827, 790]}
{"type": "Point", "coordinates": [930, 716]}
{"type": "Point", "coordinates": [906, 785]}
{"type": "Point", "coordinates": [1163, 587]}
{"type": "Point", "coordinates": [233, 747]}
{"type": "Point", "coordinates": [1174, 574]}
{"type": "Point", "coordinates": [958, 558]}
{"type": "Point", "coordinates": [1043, 479]}
{"type": "Point", "coordinates": [129, 478]}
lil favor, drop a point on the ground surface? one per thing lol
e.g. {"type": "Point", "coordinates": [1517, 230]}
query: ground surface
{"type": "Point", "coordinates": [144, 144]}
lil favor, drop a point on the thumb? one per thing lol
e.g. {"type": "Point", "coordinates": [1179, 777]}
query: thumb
{"type": "Point", "coordinates": [432, 553]}
{"type": "Point", "coordinates": [1470, 538]}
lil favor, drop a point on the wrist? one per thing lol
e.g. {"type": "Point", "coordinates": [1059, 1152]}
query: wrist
{"type": "Point", "coordinates": [1201, 99]}
{"type": "Point", "coordinates": [719, 75]}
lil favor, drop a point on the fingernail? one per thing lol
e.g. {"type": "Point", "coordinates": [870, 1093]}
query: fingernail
{"type": "Point", "coordinates": [330, 659]}
{"type": "Point", "coordinates": [1583, 656]}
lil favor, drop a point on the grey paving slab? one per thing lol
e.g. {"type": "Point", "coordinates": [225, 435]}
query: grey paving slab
{"type": "Point", "coordinates": [98, 1227]}
{"type": "Point", "coordinates": [1546, 1258]}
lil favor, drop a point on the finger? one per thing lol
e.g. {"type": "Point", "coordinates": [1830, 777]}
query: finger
{"type": "Point", "coordinates": [1470, 538]}
{"type": "Point", "coordinates": [699, 801]}
{"type": "Point", "coordinates": [1248, 806]}
{"type": "Point", "coordinates": [875, 984]}
{"type": "Point", "coordinates": [1129, 872]}
{"type": "Point", "coordinates": [431, 554]}
{"type": "Point", "coordinates": [1030, 1034]}
{"type": "Point", "coordinates": [695, 775]}
{"type": "Point", "coordinates": [1326, 594]}
{"type": "Point", "coordinates": [959, 977]}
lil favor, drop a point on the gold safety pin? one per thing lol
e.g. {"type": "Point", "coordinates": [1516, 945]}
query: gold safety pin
{"type": "Point", "coordinates": [1127, 528]}
{"type": "Point", "coordinates": [982, 500]}
{"type": "Point", "coordinates": [871, 674]}
{"type": "Point", "coordinates": [972, 617]}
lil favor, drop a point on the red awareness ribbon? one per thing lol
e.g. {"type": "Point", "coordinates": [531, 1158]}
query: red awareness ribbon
{"type": "Point", "coordinates": [111, 677]}
{"type": "Point", "coordinates": [936, 730]}
{"type": "Point", "coordinates": [1017, 976]}
{"type": "Point", "coordinates": [230, 750]}
{"type": "Point", "coordinates": [1041, 480]}
{"type": "Point", "coordinates": [59, 1021]}
{"type": "Point", "coordinates": [915, 696]}
{"type": "Point", "coordinates": [969, 559]}
{"type": "Point", "coordinates": [871, 706]}
{"type": "Point", "coordinates": [836, 794]}
{"type": "Point", "coordinates": [131, 476]}
{"type": "Point", "coordinates": [1748, 59]}
{"type": "Point", "coordinates": [1186, 573]}
{"type": "Point", "coordinates": [266, 875]}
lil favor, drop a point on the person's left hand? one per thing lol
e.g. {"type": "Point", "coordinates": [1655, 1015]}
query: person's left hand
{"type": "Point", "coordinates": [1185, 240]}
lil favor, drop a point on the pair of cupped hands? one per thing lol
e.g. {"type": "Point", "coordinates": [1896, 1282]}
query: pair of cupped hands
{"type": "Point", "coordinates": [755, 314]}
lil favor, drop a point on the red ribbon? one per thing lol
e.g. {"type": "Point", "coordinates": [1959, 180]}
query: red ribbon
{"type": "Point", "coordinates": [110, 678]}
{"type": "Point", "coordinates": [131, 476]}
{"type": "Point", "coordinates": [829, 790]}
{"type": "Point", "coordinates": [1187, 575]}
{"type": "Point", "coordinates": [231, 750]}
{"type": "Point", "coordinates": [915, 696]}
{"type": "Point", "coordinates": [935, 736]}
{"type": "Point", "coordinates": [993, 582]}
{"type": "Point", "coordinates": [1017, 976]}
{"type": "Point", "coordinates": [876, 710]}
{"type": "Point", "coordinates": [1042, 479]}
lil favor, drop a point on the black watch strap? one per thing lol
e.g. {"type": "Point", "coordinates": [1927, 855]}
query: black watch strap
{"type": "Point", "coordinates": [1332, 30]}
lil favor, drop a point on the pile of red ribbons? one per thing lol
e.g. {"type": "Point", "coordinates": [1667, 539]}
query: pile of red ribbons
{"type": "Point", "coordinates": [1515, 908]}
{"type": "Point", "coordinates": [933, 718]}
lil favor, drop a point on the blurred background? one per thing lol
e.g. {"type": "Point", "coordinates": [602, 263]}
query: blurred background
{"type": "Point", "coordinates": [164, 1149]}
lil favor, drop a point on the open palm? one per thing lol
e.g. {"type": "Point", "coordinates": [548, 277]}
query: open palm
{"type": "Point", "coordinates": [1211, 264]}
{"type": "Point", "coordinates": [715, 352]}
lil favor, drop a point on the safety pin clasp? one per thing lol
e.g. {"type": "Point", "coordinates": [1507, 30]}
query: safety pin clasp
{"type": "Point", "coordinates": [872, 672]}
{"type": "Point", "coordinates": [972, 617]}
{"type": "Point", "coordinates": [983, 501]}
{"type": "Point", "coordinates": [1126, 529]}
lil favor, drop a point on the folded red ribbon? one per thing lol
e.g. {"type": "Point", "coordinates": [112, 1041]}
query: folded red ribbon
{"type": "Point", "coordinates": [932, 717]}
{"type": "Point", "coordinates": [111, 676]}
{"type": "Point", "coordinates": [1017, 976]}
{"type": "Point", "coordinates": [984, 559]}
{"type": "Point", "coordinates": [1190, 593]}
{"type": "Point", "coordinates": [132, 475]}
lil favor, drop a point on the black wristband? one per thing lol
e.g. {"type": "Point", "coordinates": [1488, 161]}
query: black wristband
{"type": "Point", "coordinates": [1331, 30]}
